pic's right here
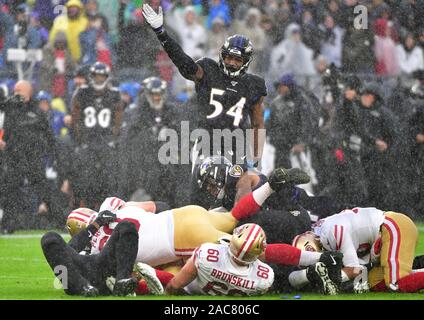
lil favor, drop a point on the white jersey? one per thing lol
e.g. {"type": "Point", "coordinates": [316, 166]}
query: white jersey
{"type": "Point", "coordinates": [217, 275]}
{"type": "Point", "coordinates": [351, 232]}
{"type": "Point", "coordinates": [155, 235]}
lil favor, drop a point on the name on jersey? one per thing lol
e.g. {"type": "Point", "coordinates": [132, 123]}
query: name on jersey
{"type": "Point", "coordinates": [232, 279]}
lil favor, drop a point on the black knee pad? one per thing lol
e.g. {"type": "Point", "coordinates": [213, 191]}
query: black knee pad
{"type": "Point", "coordinates": [50, 238]}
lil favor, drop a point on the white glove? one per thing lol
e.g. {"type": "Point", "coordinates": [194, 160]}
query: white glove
{"type": "Point", "coordinates": [112, 204]}
{"type": "Point", "coordinates": [155, 20]}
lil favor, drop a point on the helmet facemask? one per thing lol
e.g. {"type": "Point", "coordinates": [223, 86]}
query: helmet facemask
{"type": "Point", "coordinates": [243, 51]}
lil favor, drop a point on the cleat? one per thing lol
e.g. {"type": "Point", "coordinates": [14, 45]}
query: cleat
{"type": "Point", "coordinates": [317, 274]}
{"type": "Point", "coordinates": [89, 291]}
{"type": "Point", "coordinates": [125, 287]}
{"type": "Point", "coordinates": [334, 262]}
{"type": "Point", "coordinates": [110, 283]}
{"type": "Point", "coordinates": [146, 272]}
{"type": "Point", "coordinates": [281, 176]}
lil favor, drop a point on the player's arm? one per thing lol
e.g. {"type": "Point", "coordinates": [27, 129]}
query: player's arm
{"type": "Point", "coordinates": [186, 275]}
{"type": "Point", "coordinates": [245, 184]}
{"type": "Point", "coordinates": [258, 124]}
{"type": "Point", "coordinates": [118, 118]}
{"type": "Point", "coordinates": [340, 240]}
{"type": "Point", "coordinates": [188, 68]}
{"type": "Point", "coordinates": [76, 116]}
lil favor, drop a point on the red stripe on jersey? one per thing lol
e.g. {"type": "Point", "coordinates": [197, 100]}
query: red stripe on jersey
{"type": "Point", "coordinates": [113, 200]}
{"type": "Point", "coordinates": [341, 237]}
{"type": "Point", "coordinates": [335, 236]}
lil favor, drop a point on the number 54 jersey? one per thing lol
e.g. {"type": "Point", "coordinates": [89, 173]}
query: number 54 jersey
{"type": "Point", "coordinates": [218, 275]}
{"type": "Point", "coordinates": [225, 102]}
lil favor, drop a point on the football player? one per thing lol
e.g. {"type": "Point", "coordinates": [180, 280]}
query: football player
{"type": "Point", "coordinates": [173, 235]}
{"type": "Point", "coordinates": [96, 119]}
{"type": "Point", "coordinates": [228, 97]}
{"type": "Point", "coordinates": [232, 268]}
{"type": "Point", "coordinates": [87, 274]}
{"type": "Point", "coordinates": [387, 240]}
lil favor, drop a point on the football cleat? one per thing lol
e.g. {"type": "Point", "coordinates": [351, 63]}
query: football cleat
{"type": "Point", "coordinates": [110, 283]}
{"type": "Point", "coordinates": [125, 287]}
{"type": "Point", "coordinates": [146, 272]}
{"type": "Point", "coordinates": [281, 177]}
{"type": "Point", "coordinates": [317, 274]}
{"type": "Point", "coordinates": [334, 262]}
{"type": "Point", "coordinates": [89, 291]}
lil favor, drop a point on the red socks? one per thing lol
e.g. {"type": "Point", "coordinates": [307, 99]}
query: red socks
{"type": "Point", "coordinates": [282, 254]}
{"type": "Point", "coordinates": [408, 284]}
{"type": "Point", "coordinates": [412, 282]}
{"type": "Point", "coordinates": [245, 208]}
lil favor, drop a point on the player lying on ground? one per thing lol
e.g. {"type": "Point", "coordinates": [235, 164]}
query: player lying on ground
{"type": "Point", "coordinates": [87, 274]}
{"type": "Point", "coordinates": [387, 240]}
{"type": "Point", "coordinates": [227, 269]}
{"type": "Point", "coordinates": [173, 235]}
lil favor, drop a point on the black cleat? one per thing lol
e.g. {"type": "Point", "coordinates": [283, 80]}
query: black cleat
{"type": "Point", "coordinates": [125, 287]}
{"type": "Point", "coordinates": [317, 275]}
{"type": "Point", "coordinates": [334, 263]}
{"type": "Point", "coordinates": [281, 177]}
{"type": "Point", "coordinates": [89, 291]}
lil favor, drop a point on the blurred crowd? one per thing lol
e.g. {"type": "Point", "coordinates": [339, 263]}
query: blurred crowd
{"type": "Point", "coordinates": [344, 103]}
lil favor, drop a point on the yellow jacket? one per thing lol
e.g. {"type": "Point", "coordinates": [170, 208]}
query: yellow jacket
{"type": "Point", "coordinates": [72, 28]}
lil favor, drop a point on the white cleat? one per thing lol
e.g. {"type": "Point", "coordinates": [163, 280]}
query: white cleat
{"type": "Point", "coordinates": [147, 273]}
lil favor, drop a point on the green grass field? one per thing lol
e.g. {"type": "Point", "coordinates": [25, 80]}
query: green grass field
{"type": "Point", "coordinates": [25, 275]}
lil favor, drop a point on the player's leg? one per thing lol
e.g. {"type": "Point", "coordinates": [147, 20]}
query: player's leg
{"type": "Point", "coordinates": [399, 237]}
{"type": "Point", "coordinates": [193, 228]}
{"type": "Point", "coordinates": [61, 259]}
{"type": "Point", "coordinates": [120, 252]}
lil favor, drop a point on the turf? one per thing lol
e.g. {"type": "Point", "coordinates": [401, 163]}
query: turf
{"type": "Point", "coordinates": [25, 275]}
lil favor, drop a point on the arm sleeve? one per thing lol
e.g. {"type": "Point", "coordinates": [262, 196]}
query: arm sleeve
{"type": "Point", "coordinates": [80, 241]}
{"type": "Point", "coordinates": [185, 64]}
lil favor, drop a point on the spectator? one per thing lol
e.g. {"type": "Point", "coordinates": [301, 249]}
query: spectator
{"type": "Point", "coordinates": [311, 34]}
{"type": "Point", "coordinates": [22, 35]}
{"type": "Point", "coordinates": [291, 55]}
{"type": "Point", "coordinates": [36, 24]}
{"type": "Point", "coordinates": [49, 10]}
{"type": "Point", "coordinates": [387, 62]}
{"type": "Point", "coordinates": [192, 34]}
{"type": "Point", "coordinates": [251, 28]}
{"type": "Point", "coordinates": [357, 52]}
{"type": "Point", "coordinates": [216, 37]}
{"type": "Point", "coordinates": [379, 136]}
{"type": "Point", "coordinates": [57, 66]}
{"type": "Point", "coordinates": [73, 24]}
{"type": "Point", "coordinates": [331, 46]}
{"type": "Point", "coordinates": [137, 47]}
{"type": "Point", "coordinates": [28, 139]}
{"type": "Point", "coordinates": [218, 8]}
{"type": "Point", "coordinates": [410, 55]}
{"type": "Point", "coordinates": [96, 44]}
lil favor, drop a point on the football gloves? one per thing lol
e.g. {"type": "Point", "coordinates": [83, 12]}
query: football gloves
{"type": "Point", "coordinates": [155, 20]}
{"type": "Point", "coordinates": [281, 177]}
{"type": "Point", "coordinates": [105, 217]}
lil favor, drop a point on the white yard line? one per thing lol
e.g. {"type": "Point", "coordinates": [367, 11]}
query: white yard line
{"type": "Point", "coordinates": [27, 236]}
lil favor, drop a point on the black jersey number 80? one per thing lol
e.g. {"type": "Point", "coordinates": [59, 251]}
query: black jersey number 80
{"type": "Point", "coordinates": [235, 111]}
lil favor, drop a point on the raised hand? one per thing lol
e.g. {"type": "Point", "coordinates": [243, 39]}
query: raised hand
{"type": "Point", "coordinates": [155, 20]}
